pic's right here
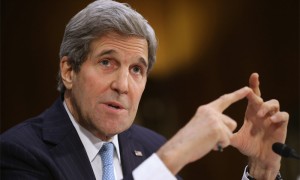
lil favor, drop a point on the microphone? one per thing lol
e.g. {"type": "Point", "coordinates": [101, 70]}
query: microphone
{"type": "Point", "coordinates": [284, 151]}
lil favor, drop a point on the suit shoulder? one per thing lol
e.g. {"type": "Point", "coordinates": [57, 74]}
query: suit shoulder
{"type": "Point", "coordinates": [30, 130]}
{"type": "Point", "coordinates": [23, 132]}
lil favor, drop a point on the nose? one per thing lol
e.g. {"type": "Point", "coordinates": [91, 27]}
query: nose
{"type": "Point", "coordinates": [120, 82]}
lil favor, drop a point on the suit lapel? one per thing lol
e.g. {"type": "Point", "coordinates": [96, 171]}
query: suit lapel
{"type": "Point", "coordinates": [132, 153]}
{"type": "Point", "coordinates": [66, 148]}
{"type": "Point", "coordinates": [71, 157]}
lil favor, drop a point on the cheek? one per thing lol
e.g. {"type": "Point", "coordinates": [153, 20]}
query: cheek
{"type": "Point", "coordinates": [91, 84]}
{"type": "Point", "coordinates": [84, 90]}
{"type": "Point", "coordinates": [139, 89]}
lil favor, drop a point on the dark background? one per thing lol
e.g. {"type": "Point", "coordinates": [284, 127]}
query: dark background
{"type": "Point", "coordinates": [206, 49]}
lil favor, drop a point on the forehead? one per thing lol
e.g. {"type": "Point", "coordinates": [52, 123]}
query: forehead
{"type": "Point", "coordinates": [114, 41]}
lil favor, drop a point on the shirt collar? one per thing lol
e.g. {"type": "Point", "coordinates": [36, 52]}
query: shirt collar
{"type": "Point", "coordinates": [91, 143]}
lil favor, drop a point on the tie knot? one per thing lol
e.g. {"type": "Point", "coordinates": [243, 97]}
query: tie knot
{"type": "Point", "coordinates": [106, 153]}
{"type": "Point", "coordinates": [108, 146]}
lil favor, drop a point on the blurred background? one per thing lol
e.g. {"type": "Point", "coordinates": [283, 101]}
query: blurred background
{"type": "Point", "coordinates": [206, 49]}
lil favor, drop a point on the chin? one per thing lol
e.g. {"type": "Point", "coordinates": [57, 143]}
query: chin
{"type": "Point", "coordinates": [114, 129]}
{"type": "Point", "coordinates": [119, 129]}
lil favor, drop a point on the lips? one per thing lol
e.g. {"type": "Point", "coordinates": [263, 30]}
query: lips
{"type": "Point", "coordinates": [115, 105]}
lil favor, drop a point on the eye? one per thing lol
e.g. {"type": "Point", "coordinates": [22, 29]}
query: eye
{"type": "Point", "coordinates": [137, 70]}
{"type": "Point", "coordinates": [105, 62]}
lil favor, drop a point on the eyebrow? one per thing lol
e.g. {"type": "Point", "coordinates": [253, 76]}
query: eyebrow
{"type": "Point", "coordinates": [143, 61]}
{"type": "Point", "coordinates": [111, 51]}
{"type": "Point", "coordinates": [105, 52]}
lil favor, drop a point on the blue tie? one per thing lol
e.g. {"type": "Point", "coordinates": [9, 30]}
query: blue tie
{"type": "Point", "coordinates": [107, 153]}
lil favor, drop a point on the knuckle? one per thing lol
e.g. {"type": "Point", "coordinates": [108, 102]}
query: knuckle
{"type": "Point", "coordinates": [286, 115]}
{"type": "Point", "coordinates": [276, 101]}
{"type": "Point", "coordinates": [233, 125]}
{"type": "Point", "coordinates": [204, 109]}
{"type": "Point", "coordinates": [215, 126]}
{"type": "Point", "coordinates": [224, 97]}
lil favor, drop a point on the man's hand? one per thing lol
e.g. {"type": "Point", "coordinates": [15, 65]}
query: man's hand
{"type": "Point", "coordinates": [202, 133]}
{"type": "Point", "coordinates": [264, 125]}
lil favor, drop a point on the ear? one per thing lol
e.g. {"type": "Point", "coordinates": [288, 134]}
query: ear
{"type": "Point", "coordinates": [66, 72]}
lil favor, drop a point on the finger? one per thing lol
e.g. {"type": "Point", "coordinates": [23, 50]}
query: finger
{"type": "Point", "coordinates": [226, 100]}
{"type": "Point", "coordinates": [230, 123]}
{"type": "Point", "coordinates": [225, 136]}
{"type": "Point", "coordinates": [254, 83]}
{"type": "Point", "coordinates": [268, 108]}
{"type": "Point", "coordinates": [254, 99]}
{"type": "Point", "coordinates": [280, 117]}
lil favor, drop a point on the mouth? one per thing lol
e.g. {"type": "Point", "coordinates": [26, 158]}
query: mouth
{"type": "Point", "coordinates": [115, 105]}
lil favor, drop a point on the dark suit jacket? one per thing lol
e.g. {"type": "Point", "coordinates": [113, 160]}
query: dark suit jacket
{"type": "Point", "coordinates": [48, 147]}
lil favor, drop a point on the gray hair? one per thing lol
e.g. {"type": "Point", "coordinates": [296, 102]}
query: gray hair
{"type": "Point", "coordinates": [96, 20]}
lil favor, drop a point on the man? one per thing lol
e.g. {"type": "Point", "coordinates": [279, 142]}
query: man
{"type": "Point", "coordinates": [106, 54]}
